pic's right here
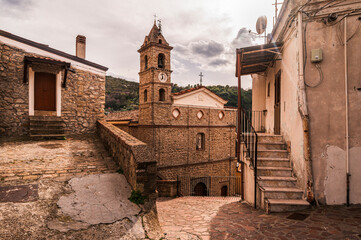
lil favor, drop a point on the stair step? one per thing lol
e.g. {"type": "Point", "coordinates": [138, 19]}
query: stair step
{"type": "Point", "coordinates": [272, 153]}
{"type": "Point", "coordinates": [286, 205]}
{"type": "Point", "coordinates": [274, 171]}
{"type": "Point", "coordinates": [273, 162]}
{"type": "Point", "coordinates": [48, 135]}
{"type": "Point", "coordinates": [270, 181]}
{"type": "Point", "coordinates": [281, 189]}
{"type": "Point", "coordinates": [272, 145]}
{"type": "Point", "coordinates": [46, 118]}
{"type": "Point", "coordinates": [281, 193]}
{"type": "Point", "coordinates": [262, 137]}
{"type": "Point", "coordinates": [277, 178]}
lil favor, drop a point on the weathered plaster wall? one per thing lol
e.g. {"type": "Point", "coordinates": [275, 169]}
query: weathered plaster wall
{"type": "Point", "coordinates": [199, 98]}
{"type": "Point", "coordinates": [327, 112]}
{"type": "Point", "coordinates": [82, 101]}
{"type": "Point", "coordinates": [291, 122]}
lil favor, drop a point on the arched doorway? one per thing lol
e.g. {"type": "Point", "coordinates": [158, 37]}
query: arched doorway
{"type": "Point", "coordinates": [224, 191]}
{"type": "Point", "coordinates": [200, 189]}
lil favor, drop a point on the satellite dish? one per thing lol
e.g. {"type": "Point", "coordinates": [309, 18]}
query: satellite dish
{"type": "Point", "coordinates": [261, 24]}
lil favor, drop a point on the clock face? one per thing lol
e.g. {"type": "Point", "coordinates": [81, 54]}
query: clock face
{"type": "Point", "coordinates": [162, 77]}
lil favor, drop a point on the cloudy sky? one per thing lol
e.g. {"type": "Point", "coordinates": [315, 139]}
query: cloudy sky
{"type": "Point", "coordinates": [204, 33]}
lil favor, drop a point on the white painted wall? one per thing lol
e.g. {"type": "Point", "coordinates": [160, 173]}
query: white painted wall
{"type": "Point", "coordinates": [198, 98]}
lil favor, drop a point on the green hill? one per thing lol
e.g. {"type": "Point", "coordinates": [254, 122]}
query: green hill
{"type": "Point", "coordinates": [123, 95]}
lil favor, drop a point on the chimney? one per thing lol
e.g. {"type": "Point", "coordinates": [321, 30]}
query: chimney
{"type": "Point", "coordinates": [80, 46]}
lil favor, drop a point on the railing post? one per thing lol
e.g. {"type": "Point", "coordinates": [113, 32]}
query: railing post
{"type": "Point", "coordinates": [255, 172]}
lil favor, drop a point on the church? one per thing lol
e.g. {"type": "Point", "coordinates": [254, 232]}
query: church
{"type": "Point", "coordinates": [189, 133]}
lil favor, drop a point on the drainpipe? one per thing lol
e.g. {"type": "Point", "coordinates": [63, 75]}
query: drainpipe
{"type": "Point", "coordinates": [302, 109]}
{"type": "Point", "coordinates": [346, 127]}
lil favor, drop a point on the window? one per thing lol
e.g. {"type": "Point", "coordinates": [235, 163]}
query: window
{"type": "Point", "coordinates": [161, 94]}
{"type": "Point", "coordinates": [145, 95]}
{"type": "Point", "coordinates": [200, 141]}
{"type": "Point", "coordinates": [161, 60]}
{"type": "Point", "coordinates": [145, 62]}
{"type": "Point", "coordinates": [268, 89]}
{"type": "Point", "coordinates": [160, 41]}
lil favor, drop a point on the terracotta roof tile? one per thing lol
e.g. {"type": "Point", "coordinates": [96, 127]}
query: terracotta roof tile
{"type": "Point", "coordinates": [188, 90]}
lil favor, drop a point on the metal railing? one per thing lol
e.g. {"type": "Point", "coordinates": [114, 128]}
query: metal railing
{"type": "Point", "coordinates": [208, 186]}
{"type": "Point", "coordinates": [258, 120]}
{"type": "Point", "coordinates": [250, 139]}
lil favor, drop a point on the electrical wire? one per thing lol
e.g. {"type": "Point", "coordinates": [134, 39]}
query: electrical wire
{"type": "Point", "coordinates": [318, 66]}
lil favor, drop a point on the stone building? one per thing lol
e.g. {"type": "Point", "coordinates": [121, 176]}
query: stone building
{"type": "Point", "coordinates": [189, 133]}
{"type": "Point", "coordinates": [47, 92]}
{"type": "Point", "coordinates": [306, 85]}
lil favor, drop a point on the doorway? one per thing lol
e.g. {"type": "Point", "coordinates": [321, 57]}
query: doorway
{"type": "Point", "coordinates": [200, 189]}
{"type": "Point", "coordinates": [45, 91]}
{"type": "Point", "coordinates": [224, 191]}
{"type": "Point", "coordinates": [277, 106]}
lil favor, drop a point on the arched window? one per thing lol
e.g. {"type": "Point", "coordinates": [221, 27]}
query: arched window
{"type": "Point", "coordinates": [145, 95]}
{"type": "Point", "coordinates": [145, 62]}
{"type": "Point", "coordinates": [161, 60]}
{"type": "Point", "coordinates": [161, 94]}
{"type": "Point", "coordinates": [200, 141]}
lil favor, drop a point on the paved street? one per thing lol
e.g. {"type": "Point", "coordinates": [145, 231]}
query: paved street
{"type": "Point", "coordinates": [217, 218]}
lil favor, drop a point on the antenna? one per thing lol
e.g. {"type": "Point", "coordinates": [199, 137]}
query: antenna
{"type": "Point", "coordinates": [155, 18]}
{"type": "Point", "coordinates": [201, 76]}
{"type": "Point", "coordinates": [261, 26]}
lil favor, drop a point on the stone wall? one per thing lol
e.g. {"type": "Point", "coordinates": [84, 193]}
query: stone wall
{"type": "Point", "coordinates": [132, 155]}
{"type": "Point", "coordinates": [82, 101]}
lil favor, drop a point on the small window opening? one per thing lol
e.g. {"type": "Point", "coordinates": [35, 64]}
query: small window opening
{"type": "Point", "coordinates": [268, 89]}
{"type": "Point", "coordinates": [160, 41]}
{"type": "Point", "coordinates": [145, 62]}
{"type": "Point", "coordinates": [200, 141]}
{"type": "Point", "coordinates": [161, 59]}
{"type": "Point", "coordinates": [161, 94]}
{"type": "Point", "coordinates": [145, 95]}
{"type": "Point", "coordinates": [224, 191]}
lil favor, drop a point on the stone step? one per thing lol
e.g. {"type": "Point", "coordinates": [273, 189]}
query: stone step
{"type": "Point", "coordinates": [48, 124]}
{"type": "Point", "coordinates": [274, 171]}
{"type": "Point", "coordinates": [47, 130]}
{"type": "Point", "coordinates": [46, 118]}
{"type": "Point", "coordinates": [273, 162]}
{"type": "Point", "coordinates": [272, 153]}
{"type": "Point", "coordinates": [56, 136]}
{"type": "Point", "coordinates": [264, 137]}
{"type": "Point", "coordinates": [285, 205]}
{"type": "Point", "coordinates": [270, 181]}
{"type": "Point", "coordinates": [281, 193]}
{"type": "Point", "coordinates": [272, 146]}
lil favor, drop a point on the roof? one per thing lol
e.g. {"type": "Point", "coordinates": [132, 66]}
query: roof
{"type": "Point", "coordinates": [132, 115]}
{"type": "Point", "coordinates": [46, 60]}
{"type": "Point", "coordinates": [256, 59]}
{"type": "Point", "coordinates": [194, 90]}
{"type": "Point", "coordinates": [51, 50]}
{"type": "Point", "coordinates": [153, 38]}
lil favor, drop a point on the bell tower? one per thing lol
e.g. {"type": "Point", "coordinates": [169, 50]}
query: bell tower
{"type": "Point", "coordinates": [154, 76]}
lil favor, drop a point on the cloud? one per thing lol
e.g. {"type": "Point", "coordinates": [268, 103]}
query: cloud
{"type": "Point", "coordinates": [243, 39]}
{"type": "Point", "coordinates": [207, 48]}
{"type": "Point", "coordinates": [218, 62]}
{"type": "Point", "coordinates": [15, 8]}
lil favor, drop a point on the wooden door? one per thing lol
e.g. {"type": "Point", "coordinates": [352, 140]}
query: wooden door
{"type": "Point", "coordinates": [45, 91]}
{"type": "Point", "coordinates": [277, 106]}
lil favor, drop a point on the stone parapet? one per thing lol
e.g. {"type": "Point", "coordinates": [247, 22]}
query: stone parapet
{"type": "Point", "coordinates": [132, 155]}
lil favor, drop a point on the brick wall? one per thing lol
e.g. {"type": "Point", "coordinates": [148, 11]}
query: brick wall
{"type": "Point", "coordinates": [132, 155]}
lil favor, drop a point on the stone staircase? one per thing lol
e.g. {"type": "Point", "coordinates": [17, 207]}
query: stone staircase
{"type": "Point", "coordinates": [277, 190]}
{"type": "Point", "coordinates": [47, 127]}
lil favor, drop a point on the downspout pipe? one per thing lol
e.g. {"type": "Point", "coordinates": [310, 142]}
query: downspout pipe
{"type": "Point", "coordinates": [348, 175]}
{"type": "Point", "coordinates": [302, 109]}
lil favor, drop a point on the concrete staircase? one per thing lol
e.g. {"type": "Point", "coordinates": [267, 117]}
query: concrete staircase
{"type": "Point", "coordinates": [47, 127]}
{"type": "Point", "coordinates": [277, 190]}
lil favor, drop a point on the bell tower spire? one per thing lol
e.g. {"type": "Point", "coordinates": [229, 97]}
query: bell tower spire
{"type": "Point", "coordinates": [155, 74]}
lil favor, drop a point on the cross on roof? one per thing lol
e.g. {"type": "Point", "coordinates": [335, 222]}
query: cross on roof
{"type": "Point", "coordinates": [155, 18]}
{"type": "Point", "coordinates": [201, 76]}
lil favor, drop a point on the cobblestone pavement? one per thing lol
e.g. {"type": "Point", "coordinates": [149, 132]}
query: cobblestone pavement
{"type": "Point", "coordinates": [25, 161]}
{"type": "Point", "coordinates": [217, 218]}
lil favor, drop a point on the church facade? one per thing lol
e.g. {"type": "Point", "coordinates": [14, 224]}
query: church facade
{"type": "Point", "coordinates": [189, 133]}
